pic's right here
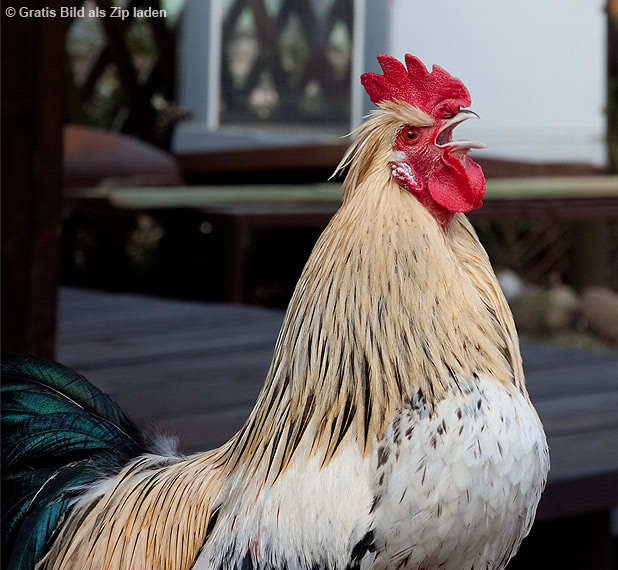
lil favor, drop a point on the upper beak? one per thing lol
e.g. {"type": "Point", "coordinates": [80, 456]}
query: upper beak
{"type": "Point", "coordinates": [443, 139]}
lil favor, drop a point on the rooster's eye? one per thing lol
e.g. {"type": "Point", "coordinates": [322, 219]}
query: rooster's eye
{"type": "Point", "coordinates": [411, 135]}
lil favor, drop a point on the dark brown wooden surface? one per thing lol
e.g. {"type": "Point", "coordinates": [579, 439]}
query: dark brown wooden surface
{"type": "Point", "coordinates": [195, 368]}
{"type": "Point", "coordinates": [245, 165]}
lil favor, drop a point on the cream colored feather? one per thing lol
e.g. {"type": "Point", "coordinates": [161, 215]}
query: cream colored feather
{"type": "Point", "coordinates": [387, 305]}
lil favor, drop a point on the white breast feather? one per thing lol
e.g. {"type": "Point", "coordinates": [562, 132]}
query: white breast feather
{"type": "Point", "coordinates": [459, 488]}
{"type": "Point", "coordinates": [449, 489]}
{"type": "Point", "coordinates": [309, 515]}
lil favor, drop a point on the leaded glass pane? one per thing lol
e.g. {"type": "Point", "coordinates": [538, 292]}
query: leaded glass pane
{"type": "Point", "coordinates": [286, 61]}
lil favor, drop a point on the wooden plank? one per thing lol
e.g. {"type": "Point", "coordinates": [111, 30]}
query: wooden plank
{"type": "Point", "coordinates": [573, 378]}
{"type": "Point", "coordinates": [552, 187]}
{"type": "Point", "coordinates": [571, 497]}
{"type": "Point", "coordinates": [273, 196]}
{"type": "Point", "coordinates": [551, 368]}
{"type": "Point", "coordinates": [566, 415]}
{"type": "Point", "coordinates": [581, 455]}
{"type": "Point", "coordinates": [159, 197]}
{"type": "Point", "coordinates": [195, 369]}
{"type": "Point", "coordinates": [145, 342]}
{"type": "Point", "coordinates": [309, 157]}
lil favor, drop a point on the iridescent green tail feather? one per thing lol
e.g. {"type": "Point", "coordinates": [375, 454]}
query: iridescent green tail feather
{"type": "Point", "coordinates": [59, 435]}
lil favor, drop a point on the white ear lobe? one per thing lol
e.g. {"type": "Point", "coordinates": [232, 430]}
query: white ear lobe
{"type": "Point", "coordinates": [404, 176]}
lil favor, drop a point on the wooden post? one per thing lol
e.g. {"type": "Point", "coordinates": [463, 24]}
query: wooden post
{"type": "Point", "coordinates": [32, 117]}
{"type": "Point", "coordinates": [591, 254]}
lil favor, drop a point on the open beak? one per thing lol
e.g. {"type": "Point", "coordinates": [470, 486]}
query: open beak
{"type": "Point", "coordinates": [444, 138]}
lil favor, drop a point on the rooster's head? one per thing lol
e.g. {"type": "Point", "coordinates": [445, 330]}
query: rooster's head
{"type": "Point", "coordinates": [425, 160]}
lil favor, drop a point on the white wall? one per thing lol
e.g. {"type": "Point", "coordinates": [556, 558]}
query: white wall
{"type": "Point", "coordinates": [536, 70]}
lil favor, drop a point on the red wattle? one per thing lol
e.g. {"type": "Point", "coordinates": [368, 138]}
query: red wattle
{"type": "Point", "coordinates": [456, 187]}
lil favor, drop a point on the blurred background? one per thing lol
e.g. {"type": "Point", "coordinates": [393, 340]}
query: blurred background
{"type": "Point", "coordinates": [121, 118]}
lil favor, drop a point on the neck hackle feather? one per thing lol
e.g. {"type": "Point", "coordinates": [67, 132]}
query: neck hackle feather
{"type": "Point", "coordinates": [370, 322]}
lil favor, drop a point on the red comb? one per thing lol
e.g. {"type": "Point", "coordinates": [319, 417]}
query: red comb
{"type": "Point", "coordinates": [437, 93]}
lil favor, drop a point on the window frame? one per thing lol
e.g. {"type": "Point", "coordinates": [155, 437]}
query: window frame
{"type": "Point", "coordinates": [199, 76]}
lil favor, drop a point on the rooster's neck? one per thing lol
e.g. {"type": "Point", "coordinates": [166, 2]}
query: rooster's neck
{"type": "Point", "coordinates": [385, 307]}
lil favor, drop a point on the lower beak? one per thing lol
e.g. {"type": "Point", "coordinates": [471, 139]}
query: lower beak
{"type": "Point", "coordinates": [446, 132]}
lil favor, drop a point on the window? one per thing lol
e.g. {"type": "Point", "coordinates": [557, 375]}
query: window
{"type": "Point", "coordinates": [278, 72]}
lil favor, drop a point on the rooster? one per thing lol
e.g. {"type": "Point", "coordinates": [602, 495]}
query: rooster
{"type": "Point", "coordinates": [393, 431]}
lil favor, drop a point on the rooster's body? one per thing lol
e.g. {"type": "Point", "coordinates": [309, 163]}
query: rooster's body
{"type": "Point", "coordinates": [394, 429]}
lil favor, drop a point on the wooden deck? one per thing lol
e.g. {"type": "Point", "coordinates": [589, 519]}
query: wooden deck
{"type": "Point", "coordinates": [196, 369]}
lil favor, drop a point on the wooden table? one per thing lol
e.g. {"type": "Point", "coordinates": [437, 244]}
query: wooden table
{"type": "Point", "coordinates": [238, 210]}
{"type": "Point", "coordinates": [196, 369]}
